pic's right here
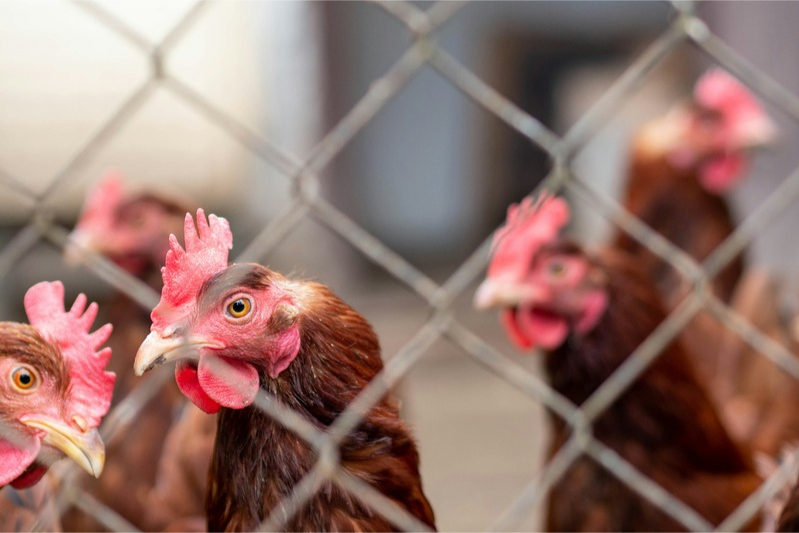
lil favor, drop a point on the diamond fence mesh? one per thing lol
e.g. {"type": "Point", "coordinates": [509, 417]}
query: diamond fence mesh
{"type": "Point", "coordinates": [307, 202]}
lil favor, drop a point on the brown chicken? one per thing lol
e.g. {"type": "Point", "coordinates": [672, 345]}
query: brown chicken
{"type": "Point", "coordinates": [54, 391]}
{"type": "Point", "coordinates": [131, 229]}
{"type": "Point", "coordinates": [589, 312]}
{"type": "Point", "coordinates": [681, 165]}
{"type": "Point", "coordinates": [240, 328]}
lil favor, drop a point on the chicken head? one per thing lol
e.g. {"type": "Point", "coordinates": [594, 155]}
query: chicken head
{"type": "Point", "coordinates": [221, 323]}
{"type": "Point", "coordinates": [546, 288]}
{"type": "Point", "coordinates": [53, 387]}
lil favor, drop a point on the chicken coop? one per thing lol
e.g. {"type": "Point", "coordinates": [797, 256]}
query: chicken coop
{"type": "Point", "coordinates": [375, 147]}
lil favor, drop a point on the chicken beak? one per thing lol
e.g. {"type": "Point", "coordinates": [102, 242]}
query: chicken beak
{"type": "Point", "coordinates": [757, 132]}
{"type": "Point", "coordinates": [157, 350]}
{"type": "Point", "coordinates": [85, 447]}
{"type": "Point", "coordinates": [494, 293]}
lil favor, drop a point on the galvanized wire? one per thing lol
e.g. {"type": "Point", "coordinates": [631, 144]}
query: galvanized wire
{"type": "Point", "coordinates": [306, 201]}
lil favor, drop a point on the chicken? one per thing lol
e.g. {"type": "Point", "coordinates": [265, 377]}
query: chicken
{"type": "Point", "coordinates": [682, 164]}
{"type": "Point", "coordinates": [54, 392]}
{"type": "Point", "coordinates": [131, 229]}
{"type": "Point", "coordinates": [588, 312]}
{"type": "Point", "coordinates": [240, 328]}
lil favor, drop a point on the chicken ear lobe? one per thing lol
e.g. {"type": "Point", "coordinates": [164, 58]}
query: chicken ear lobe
{"type": "Point", "coordinates": [284, 316]}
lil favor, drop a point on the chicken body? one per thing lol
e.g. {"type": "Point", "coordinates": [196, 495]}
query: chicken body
{"type": "Point", "coordinates": [674, 203]}
{"type": "Point", "coordinates": [252, 329]}
{"type": "Point", "coordinates": [589, 313]}
{"type": "Point", "coordinates": [682, 165]}
{"type": "Point", "coordinates": [664, 425]}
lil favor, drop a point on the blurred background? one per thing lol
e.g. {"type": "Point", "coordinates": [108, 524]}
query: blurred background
{"type": "Point", "coordinates": [430, 175]}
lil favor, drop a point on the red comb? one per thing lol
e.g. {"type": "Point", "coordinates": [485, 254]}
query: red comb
{"type": "Point", "coordinates": [186, 270]}
{"type": "Point", "coordinates": [102, 202]}
{"type": "Point", "coordinates": [91, 386]}
{"type": "Point", "coordinates": [529, 226]}
{"type": "Point", "coordinates": [719, 90]}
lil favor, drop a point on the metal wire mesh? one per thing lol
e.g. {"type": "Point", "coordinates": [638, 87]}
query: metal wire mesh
{"type": "Point", "coordinates": [423, 25]}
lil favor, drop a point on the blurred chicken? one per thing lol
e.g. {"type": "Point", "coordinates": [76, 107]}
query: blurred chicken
{"type": "Point", "coordinates": [133, 231]}
{"type": "Point", "coordinates": [53, 393]}
{"type": "Point", "coordinates": [239, 328]}
{"type": "Point", "coordinates": [589, 312]}
{"type": "Point", "coordinates": [681, 166]}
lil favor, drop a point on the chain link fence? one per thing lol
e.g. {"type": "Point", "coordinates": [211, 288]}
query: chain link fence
{"type": "Point", "coordinates": [307, 202]}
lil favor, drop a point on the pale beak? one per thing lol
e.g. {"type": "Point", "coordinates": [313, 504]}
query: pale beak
{"type": "Point", "coordinates": [494, 293]}
{"type": "Point", "coordinates": [85, 447]}
{"type": "Point", "coordinates": [757, 132]}
{"type": "Point", "coordinates": [157, 350]}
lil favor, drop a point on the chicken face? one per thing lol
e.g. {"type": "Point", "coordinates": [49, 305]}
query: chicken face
{"type": "Point", "coordinates": [562, 292]}
{"type": "Point", "coordinates": [714, 133]}
{"type": "Point", "coordinates": [130, 230]}
{"type": "Point", "coordinates": [53, 390]}
{"type": "Point", "coordinates": [546, 289]}
{"type": "Point", "coordinates": [232, 322]}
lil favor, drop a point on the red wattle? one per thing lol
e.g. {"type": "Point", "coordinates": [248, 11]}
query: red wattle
{"type": "Point", "coordinates": [229, 382]}
{"type": "Point", "coordinates": [189, 385]}
{"type": "Point", "coordinates": [722, 172]}
{"type": "Point", "coordinates": [29, 478]}
{"type": "Point", "coordinates": [535, 328]}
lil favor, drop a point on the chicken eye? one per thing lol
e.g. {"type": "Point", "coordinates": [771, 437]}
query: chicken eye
{"type": "Point", "coordinates": [24, 379]}
{"type": "Point", "coordinates": [557, 269]}
{"type": "Point", "coordinates": [239, 308]}
{"type": "Point", "coordinates": [137, 221]}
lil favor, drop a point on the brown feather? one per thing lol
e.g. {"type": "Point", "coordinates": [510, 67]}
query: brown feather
{"type": "Point", "coordinates": [674, 203]}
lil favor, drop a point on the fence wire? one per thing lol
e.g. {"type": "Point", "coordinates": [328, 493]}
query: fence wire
{"type": "Point", "coordinates": [307, 202]}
